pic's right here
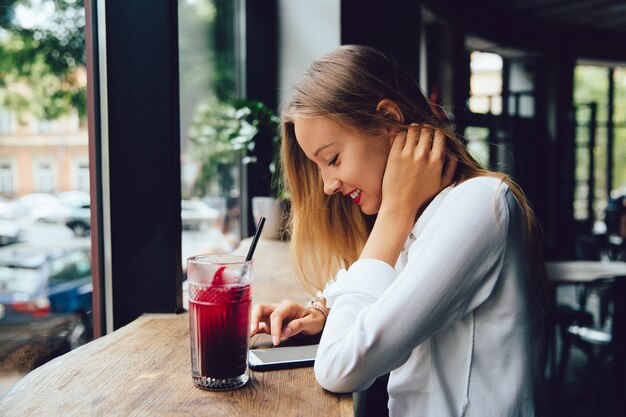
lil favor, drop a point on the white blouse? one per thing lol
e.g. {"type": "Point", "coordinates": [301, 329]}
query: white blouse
{"type": "Point", "coordinates": [458, 322]}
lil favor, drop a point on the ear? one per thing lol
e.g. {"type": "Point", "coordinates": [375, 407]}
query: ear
{"type": "Point", "coordinates": [388, 108]}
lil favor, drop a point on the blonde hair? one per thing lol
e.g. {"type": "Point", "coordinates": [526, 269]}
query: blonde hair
{"type": "Point", "coordinates": [328, 232]}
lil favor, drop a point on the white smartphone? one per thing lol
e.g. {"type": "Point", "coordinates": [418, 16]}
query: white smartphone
{"type": "Point", "coordinates": [282, 357]}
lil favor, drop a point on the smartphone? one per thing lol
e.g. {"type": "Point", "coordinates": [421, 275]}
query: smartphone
{"type": "Point", "coordinates": [282, 357]}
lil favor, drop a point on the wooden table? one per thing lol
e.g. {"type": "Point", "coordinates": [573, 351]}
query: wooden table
{"type": "Point", "coordinates": [144, 369]}
{"type": "Point", "coordinates": [580, 272]}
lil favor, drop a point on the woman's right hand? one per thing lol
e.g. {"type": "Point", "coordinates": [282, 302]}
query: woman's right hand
{"type": "Point", "coordinates": [285, 320]}
{"type": "Point", "coordinates": [414, 175]}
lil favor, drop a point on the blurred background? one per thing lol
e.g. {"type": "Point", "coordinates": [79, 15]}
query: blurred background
{"type": "Point", "coordinates": [132, 138]}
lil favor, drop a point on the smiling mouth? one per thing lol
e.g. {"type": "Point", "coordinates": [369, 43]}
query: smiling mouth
{"type": "Point", "coordinates": [356, 196]}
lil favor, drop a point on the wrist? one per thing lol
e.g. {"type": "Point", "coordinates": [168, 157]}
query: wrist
{"type": "Point", "coordinates": [318, 305]}
{"type": "Point", "coordinates": [398, 221]}
{"type": "Point", "coordinates": [388, 235]}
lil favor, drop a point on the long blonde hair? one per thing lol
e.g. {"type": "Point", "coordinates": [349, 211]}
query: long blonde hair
{"type": "Point", "coordinates": [328, 232]}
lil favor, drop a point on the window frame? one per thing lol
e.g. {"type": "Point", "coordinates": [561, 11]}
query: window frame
{"type": "Point", "coordinates": [134, 148]}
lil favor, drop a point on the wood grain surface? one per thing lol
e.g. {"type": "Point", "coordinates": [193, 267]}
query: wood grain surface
{"type": "Point", "coordinates": [144, 369]}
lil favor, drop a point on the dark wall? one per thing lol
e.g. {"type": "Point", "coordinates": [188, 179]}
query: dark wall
{"type": "Point", "coordinates": [392, 26]}
{"type": "Point", "coordinates": [555, 151]}
{"type": "Point", "coordinates": [503, 23]}
{"type": "Point", "coordinates": [261, 79]}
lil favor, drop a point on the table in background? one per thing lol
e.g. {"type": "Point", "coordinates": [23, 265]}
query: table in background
{"type": "Point", "coordinates": [580, 272]}
{"type": "Point", "coordinates": [591, 273]}
{"type": "Point", "coordinates": [144, 369]}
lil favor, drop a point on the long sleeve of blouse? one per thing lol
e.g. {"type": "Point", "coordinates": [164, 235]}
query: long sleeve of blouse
{"type": "Point", "coordinates": [380, 314]}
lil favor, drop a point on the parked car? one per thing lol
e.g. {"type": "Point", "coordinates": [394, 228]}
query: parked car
{"type": "Point", "coordinates": [37, 283]}
{"type": "Point", "coordinates": [66, 202]}
{"type": "Point", "coordinates": [24, 205]}
{"type": "Point", "coordinates": [10, 232]}
{"type": "Point", "coordinates": [197, 215]}
{"type": "Point", "coordinates": [74, 198]}
{"type": "Point", "coordinates": [7, 211]}
{"type": "Point", "coordinates": [79, 220]}
{"type": "Point", "coordinates": [50, 214]}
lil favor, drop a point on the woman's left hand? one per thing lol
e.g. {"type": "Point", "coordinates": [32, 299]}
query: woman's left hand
{"type": "Point", "coordinates": [414, 172]}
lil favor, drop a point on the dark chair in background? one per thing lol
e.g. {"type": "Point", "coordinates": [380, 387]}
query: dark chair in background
{"type": "Point", "coordinates": [589, 325]}
{"type": "Point", "coordinates": [593, 337]}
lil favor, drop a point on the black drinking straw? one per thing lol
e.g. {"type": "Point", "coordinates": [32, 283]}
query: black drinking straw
{"type": "Point", "coordinates": [255, 239]}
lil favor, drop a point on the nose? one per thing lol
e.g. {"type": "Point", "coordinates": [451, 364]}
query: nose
{"type": "Point", "coordinates": [332, 186]}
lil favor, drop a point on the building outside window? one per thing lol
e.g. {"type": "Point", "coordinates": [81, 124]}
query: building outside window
{"type": "Point", "coordinates": [81, 176]}
{"type": "Point", "coordinates": [7, 178]}
{"type": "Point", "coordinates": [5, 121]}
{"type": "Point", "coordinates": [44, 176]}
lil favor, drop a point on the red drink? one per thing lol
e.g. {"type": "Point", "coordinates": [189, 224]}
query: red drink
{"type": "Point", "coordinates": [219, 319]}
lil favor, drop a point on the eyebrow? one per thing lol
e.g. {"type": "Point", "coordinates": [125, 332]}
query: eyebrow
{"type": "Point", "coordinates": [322, 148]}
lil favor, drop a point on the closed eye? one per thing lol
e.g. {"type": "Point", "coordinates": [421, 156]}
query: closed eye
{"type": "Point", "coordinates": [333, 161]}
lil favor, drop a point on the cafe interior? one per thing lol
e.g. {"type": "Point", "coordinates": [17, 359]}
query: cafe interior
{"type": "Point", "coordinates": [531, 125]}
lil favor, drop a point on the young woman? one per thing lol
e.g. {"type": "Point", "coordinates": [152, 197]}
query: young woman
{"type": "Point", "coordinates": [424, 262]}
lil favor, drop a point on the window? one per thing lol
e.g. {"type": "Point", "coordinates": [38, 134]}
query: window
{"type": "Point", "coordinates": [485, 102]}
{"type": "Point", "coordinates": [44, 176]}
{"type": "Point", "coordinates": [42, 133]}
{"type": "Point", "coordinates": [7, 178]}
{"type": "Point", "coordinates": [210, 167]}
{"type": "Point", "coordinates": [44, 126]}
{"type": "Point", "coordinates": [485, 83]}
{"type": "Point", "coordinates": [619, 123]}
{"type": "Point", "coordinates": [5, 121]}
{"type": "Point", "coordinates": [81, 176]}
{"type": "Point", "coordinates": [600, 102]}
{"type": "Point", "coordinates": [478, 143]}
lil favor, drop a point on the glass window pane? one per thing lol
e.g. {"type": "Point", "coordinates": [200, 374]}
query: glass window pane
{"type": "Point", "coordinates": [477, 144]}
{"type": "Point", "coordinates": [44, 178]}
{"type": "Point", "coordinates": [210, 155]}
{"type": "Point", "coordinates": [600, 157]}
{"type": "Point", "coordinates": [485, 83]}
{"type": "Point", "coordinates": [591, 85]}
{"type": "Point", "coordinates": [619, 145]}
{"type": "Point", "coordinates": [581, 191]}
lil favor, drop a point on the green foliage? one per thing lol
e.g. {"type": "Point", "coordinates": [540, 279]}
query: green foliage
{"type": "Point", "coordinates": [40, 60]}
{"type": "Point", "coordinates": [223, 133]}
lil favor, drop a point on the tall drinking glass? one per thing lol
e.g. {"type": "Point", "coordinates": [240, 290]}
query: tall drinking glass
{"type": "Point", "coordinates": [219, 320]}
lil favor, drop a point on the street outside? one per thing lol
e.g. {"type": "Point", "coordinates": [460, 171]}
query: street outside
{"type": "Point", "coordinates": [42, 235]}
{"type": "Point", "coordinates": [29, 338]}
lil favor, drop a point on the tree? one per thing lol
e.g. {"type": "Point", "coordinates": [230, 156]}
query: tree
{"type": "Point", "coordinates": [42, 54]}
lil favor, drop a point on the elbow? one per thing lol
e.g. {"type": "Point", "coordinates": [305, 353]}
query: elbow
{"type": "Point", "coordinates": [336, 378]}
{"type": "Point", "coordinates": [331, 381]}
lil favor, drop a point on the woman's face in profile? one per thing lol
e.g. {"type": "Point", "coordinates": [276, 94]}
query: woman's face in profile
{"type": "Point", "coordinates": [350, 163]}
